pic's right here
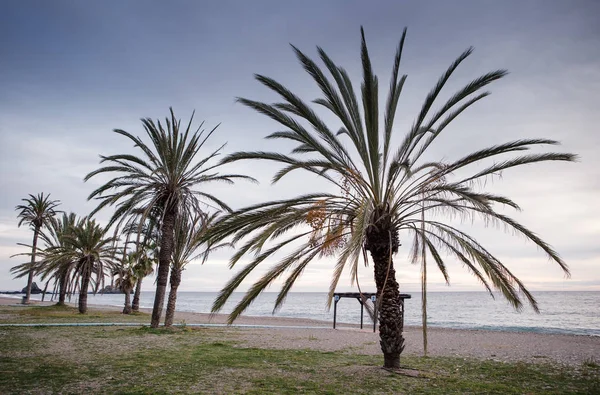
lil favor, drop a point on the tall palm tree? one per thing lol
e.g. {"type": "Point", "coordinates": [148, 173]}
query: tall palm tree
{"type": "Point", "coordinates": [36, 212]}
{"type": "Point", "coordinates": [92, 254]}
{"type": "Point", "coordinates": [189, 245]}
{"type": "Point", "coordinates": [382, 189]}
{"type": "Point", "coordinates": [162, 177]}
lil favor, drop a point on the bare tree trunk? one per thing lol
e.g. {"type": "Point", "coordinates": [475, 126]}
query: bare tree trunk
{"type": "Point", "coordinates": [85, 282]}
{"type": "Point", "coordinates": [135, 306]}
{"type": "Point", "coordinates": [164, 262]}
{"type": "Point", "coordinates": [175, 281]}
{"type": "Point", "coordinates": [31, 270]}
{"type": "Point", "coordinates": [127, 307]}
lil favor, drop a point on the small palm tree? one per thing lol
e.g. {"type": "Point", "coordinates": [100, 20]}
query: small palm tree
{"type": "Point", "coordinates": [57, 271]}
{"type": "Point", "coordinates": [126, 278]}
{"type": "Point", "coordinates": [189, 245]}
{"type": "Point", "coordinates": [37, 213]}
{"type": "Point", "coordinates": [384, 190]}
{"type": "Point", "coordinates": [144, 266]}
{"type": "Point", "coordinates": [163, 178]}
{"type": "Point", "coordinates": [146, 234]}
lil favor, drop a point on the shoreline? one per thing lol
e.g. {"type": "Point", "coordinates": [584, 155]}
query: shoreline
{"type": "Point", "coordinates": [481, 344]}
{"type": "Point", "coordinates": [293, 321]}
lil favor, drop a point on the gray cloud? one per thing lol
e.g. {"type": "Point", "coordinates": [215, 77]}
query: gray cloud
{"type": "Point", "coordinates": [66, 85]}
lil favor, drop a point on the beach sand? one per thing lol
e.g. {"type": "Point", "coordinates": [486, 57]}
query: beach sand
{"type": "Point", "coordinates": [494, 345]}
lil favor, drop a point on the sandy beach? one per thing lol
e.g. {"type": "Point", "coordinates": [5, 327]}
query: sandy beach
{"type": "Point", "coordinates": [494, 345]}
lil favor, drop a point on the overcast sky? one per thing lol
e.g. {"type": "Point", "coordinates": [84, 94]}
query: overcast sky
{"type": "Point", "coordinates": [71, 71]}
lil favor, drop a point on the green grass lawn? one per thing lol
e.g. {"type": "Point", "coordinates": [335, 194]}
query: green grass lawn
{"type": "Point", "coordinates": [59, 314]}
{"type": "Point", "coordinates": [214, 360]}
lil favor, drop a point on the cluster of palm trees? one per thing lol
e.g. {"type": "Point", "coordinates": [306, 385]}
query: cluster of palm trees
{"type": "Point", "coordinates": [381, 187]}
{"type": "Point", "coordinates": [77, 254]}
{"type": "Point", "coordinates": [162, 220]}
{"type": "Point", "coordinates": [76, 251]}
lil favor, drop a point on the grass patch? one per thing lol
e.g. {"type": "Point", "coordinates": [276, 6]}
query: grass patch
{"type": "Point", "coordinates": [63, 314]}
{"type": "Point", "coordinates": [591, 363]}
{"type": "Point", "coordinates": [211, 360]}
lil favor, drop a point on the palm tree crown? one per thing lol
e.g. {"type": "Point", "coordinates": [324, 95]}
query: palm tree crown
{"type": "Point", "coordinates": [383, 189]}
{"type": "Point", "coordinates": [37, 211]}
{"type": "Point", "coordinates": [125, 272]}
{"type": "Point", "coordinates": [189, 239]}
{"type": "Point", "coordinates": [162, 178]}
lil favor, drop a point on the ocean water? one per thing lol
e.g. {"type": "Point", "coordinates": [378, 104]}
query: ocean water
{"type": "Point", "coordinates": [560, 312]}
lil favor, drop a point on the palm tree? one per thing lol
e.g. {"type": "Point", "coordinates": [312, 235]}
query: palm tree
{"type": "Point", "coordinates": [91, 252]}
{"type": "Point", "coordinates": [143, 267]}
{"type": "Point", "coordinates": [59, 271]}
{"type": "Point", "coordinates": [161, 178]}
{"type": "Point", "coordinates": [188, 240]}
{"type": "Point", "coordinates": [382, 189]}
{"type": "Point", "coordinates": [126, 278]}
{"type": "Point", "coordinates": [146, 233]}
{"type": "Point", "coordinates": [36, 212]}
{"type": "Point", "coordinates": [51, 269]}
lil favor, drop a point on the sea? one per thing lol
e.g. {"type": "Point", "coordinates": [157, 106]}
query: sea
{"type": "Point", "coordinates": [576, 313]}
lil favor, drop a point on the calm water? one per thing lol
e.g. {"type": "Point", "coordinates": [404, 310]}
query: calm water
{"type": "Point", "coordinates": [561, 312]}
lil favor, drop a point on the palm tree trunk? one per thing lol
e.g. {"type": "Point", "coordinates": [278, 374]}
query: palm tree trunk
{"type": "Point", "coordinates": [62, 289]}
{"type": "Point", "coordinates": [382, 241]}
{"type": "Point", "coordinates": [31, 270]}
{"type": "Point", "coordinates": [45, 289]}
{"type": "Point", "coordinates": [175, 281]}
{"type": "Point", "coordinates": [391, 311]}
{"type": "Point", "coordinates": [135, 306]}
{"type": "Point", "coordinates": [127, 307]}
{"type": "Point", "coordinates": [164, 262]}
{"type": "Point", "coordinates": [85, 282]}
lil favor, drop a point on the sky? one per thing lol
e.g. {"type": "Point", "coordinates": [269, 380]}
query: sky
{"type": "Point", "coordinates": [72, 71]}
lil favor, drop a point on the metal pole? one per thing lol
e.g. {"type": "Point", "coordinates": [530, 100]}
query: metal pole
{"type": "Point", "coordinates": [423, 280]}
{"type": "Point", "coordinates": [361, 313]}
{"type": "Point", "coordinates": [375, 318]}
{"type": "Point", "coordinates": [334, 311]}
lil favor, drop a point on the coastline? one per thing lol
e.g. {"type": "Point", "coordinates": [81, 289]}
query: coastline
{"type": "Point", "coordinates": [287, 333]}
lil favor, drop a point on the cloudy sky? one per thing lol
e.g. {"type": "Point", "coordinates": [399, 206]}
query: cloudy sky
{"type": "Point", "coordinates": [72, 71]}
